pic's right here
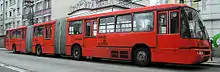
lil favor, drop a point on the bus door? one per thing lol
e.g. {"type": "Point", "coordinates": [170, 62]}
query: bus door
{"type": "Point", "coordinates": [18, 40]}
{"type": "Point", "coordinates": [90, 32]}
{"type": "Point", "coordinates": [23, 40]}
{"type": "Point", "coordinates": [48, 41]}
{"type": "Point", "coordinates": [38, 37]}
{"type": "Point", "coordinates": [168, 29]}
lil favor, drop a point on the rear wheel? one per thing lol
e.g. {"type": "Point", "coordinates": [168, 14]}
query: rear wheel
{"type": "Point", "coordinates": [77, 52]}
{"type": "Point", "coordinates": [39, 50]}
{"type": "Point", "coordinates": [142, 56]}
{"type": "Point", "coordinates": [14, 49]}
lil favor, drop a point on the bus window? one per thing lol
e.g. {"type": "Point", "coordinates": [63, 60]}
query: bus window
{"type": "Point", "coordinates": [174, 22]}
{"type": "Point", "coordinates": [38, 31]}
{"type": "Point", "coordinates": [124, 23]}
{"type": "Point", "coordinates": [75, 27]}
{"type": "Point", "coordinates": [24, 33]}
{"type": "Point", "coordinates": [162, 23]}
{"type": "Point", "coordinates": [48, 33]}
{"type": "Point", "coordinates": [94, 28]}
{"type": "Point", "coordinates": [7, 34]}
{"type": "Point", "coordinates": [106, 25]}
{"type": "Point", "coordinates": [14, 33]}
{"type": "Point", "coordinates": [18, 34]}
{"type": "Point", "coordinates": [143, 21]}
{"type": "Point", "coordinates": [88, 28]}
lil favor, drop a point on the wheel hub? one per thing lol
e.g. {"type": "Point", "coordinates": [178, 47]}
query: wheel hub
{"type": "Point", "coordinates": [141, 56]}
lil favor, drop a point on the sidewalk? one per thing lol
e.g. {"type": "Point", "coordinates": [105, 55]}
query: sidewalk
{"type": "Point", "coordinates": [216, 61]}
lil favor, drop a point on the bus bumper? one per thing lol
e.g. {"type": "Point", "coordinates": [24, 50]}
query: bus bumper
{"type": "Point", "coordinates": [181, 56]}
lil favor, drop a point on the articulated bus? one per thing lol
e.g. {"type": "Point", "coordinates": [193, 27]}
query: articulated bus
{"type": "Point", "coordinates": [169, 33]}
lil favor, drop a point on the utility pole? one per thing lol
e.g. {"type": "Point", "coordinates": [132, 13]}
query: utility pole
{"type": "Point", "coordinates": [30, 4]}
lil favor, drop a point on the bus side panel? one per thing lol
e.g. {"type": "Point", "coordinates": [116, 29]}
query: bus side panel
{"type": "Point", "coordinates": [29, 36]}
{"type": "Point", "coordinates": [60, 36]}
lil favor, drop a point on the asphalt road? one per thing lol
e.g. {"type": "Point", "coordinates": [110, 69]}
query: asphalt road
{"type": "Point", "coordinates": [3, 69]}
{"type": "Point", "coordinates": [65, 64]}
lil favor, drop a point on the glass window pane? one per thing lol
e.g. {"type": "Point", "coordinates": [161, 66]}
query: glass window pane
{"type": "Point", "coordinates": [106, 25]}
{"type": "Point", "coordinates": [143, 21]}
{"type": "Point", "coordinates": [123, 23]}
{"type": "Point", "coordinates": [75, 27]}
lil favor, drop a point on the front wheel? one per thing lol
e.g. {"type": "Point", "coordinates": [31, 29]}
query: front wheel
{"type": "Point", "coordinates": [77, 53]}
{"type": "Point", "coordinates": [142, 56]}
{"type": "Point", "coordinates": [39, 50]}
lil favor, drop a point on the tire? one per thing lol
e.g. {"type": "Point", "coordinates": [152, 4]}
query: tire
{"type": "Point", "coordinates": [141, 56]}
{"type": "Point", "coordinates": [77, 53]}
{"type": "Point", "coordinates": [96, 59]}
{"type": "Point", "coordinates": [14, 49]}
{"type": "Point", "coordinates": [38, 50]}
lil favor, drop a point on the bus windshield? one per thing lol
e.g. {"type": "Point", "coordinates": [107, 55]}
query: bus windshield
{"type": "Point", "coordinates": [194, 25]}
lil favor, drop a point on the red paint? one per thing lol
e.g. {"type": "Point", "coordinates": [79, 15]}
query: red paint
{"type": "Point", "coordinates": [168, 48]}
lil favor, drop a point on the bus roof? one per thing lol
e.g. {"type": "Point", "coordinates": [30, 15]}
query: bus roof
{"type": "Point", "coordinates": [45, 23]}
{"type": "Point", "coordinates": [20, 27]}
{"type": "Point", "coordinates": [147, 8]}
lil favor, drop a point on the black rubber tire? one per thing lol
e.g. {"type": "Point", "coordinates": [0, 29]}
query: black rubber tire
{"type": "Point", "coordinates": [96, 59]}
{"type": "Point", "coordinates": [144, 58]}
{"type": "Point", "coordinates": [77, 53]}
{"type": "Point", "coordinates": [38, 50]}
{"type": "Point", "coordinates": [14, 49]}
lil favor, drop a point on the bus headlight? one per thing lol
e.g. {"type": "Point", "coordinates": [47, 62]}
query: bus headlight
{"type": "Point", "coordinates": [200, 52]}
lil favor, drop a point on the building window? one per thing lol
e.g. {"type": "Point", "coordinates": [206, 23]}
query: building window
{"type": "Point", "coordinates": [39, 6]}
{"type": "Point", "coordinates": [124, 23]}
{"type": "Point", "coordinates": [18, 23]}
{"type": "Point", "coordinates": [6, 5]}
{"type": "Point", "coordinates": [48, 33]}
{"type": "Point", "coordinates": [10, 13]}
{"type": "Point", "coordinates": [47, 4]}
{"type": "Point", "coordinates": [36, 20]}
{"type": "Point", "coordinates": [38, 31]}
{"type": "Point", "coordinates": [13, 13]}
{"type": "Point", "coordinates": [75, 27]}
{"type": "Point", "coordinates": [18, 11]}
{"type": "Point", "coordinates": [143, 21]}
{"type": "Point", "coordinates": [107, 25]}
{"type": "Point", "coordinates": [2, 7]}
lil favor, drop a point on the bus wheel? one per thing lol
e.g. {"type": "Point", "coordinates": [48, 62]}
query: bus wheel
{"type": "Point", "coordinates": [39, 50]}
{"type": "Point", "coordinates": [142, 56]}
{"type": "Point", "coordinates": [14, 49]}
{"type": "Point", "coordinates": [77, 53]}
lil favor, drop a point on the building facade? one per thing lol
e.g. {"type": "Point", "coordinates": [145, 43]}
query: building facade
{"type": "Point", "coordinates": [88, 7]}
{"type": "Point", "coordinates": [10, 14]}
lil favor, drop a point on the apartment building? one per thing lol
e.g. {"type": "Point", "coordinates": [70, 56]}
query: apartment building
{"type": "Point", "coordinates": [10, 14]}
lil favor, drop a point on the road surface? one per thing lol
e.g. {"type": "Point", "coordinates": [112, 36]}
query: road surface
{"type": "Point", "coordinates": [31, 63]}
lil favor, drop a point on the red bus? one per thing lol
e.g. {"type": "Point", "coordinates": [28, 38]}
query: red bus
{"type": "Point", "coordinates": [169, 33]}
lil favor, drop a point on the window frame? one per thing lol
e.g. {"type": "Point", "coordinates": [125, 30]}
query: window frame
{"type": "Point", "coordinates": [132, 17]}
{"type": "Point", "coordinates": [98, 24]}
{"type": "Point", "coordinates": [73, 29]}
{"type": "Point", "coordinates": [149, 11]}
{"type": "Point", "coordinates": [50, 31]}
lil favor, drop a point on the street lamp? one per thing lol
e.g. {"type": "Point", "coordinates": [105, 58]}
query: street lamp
{"type": "Point", "coordinates": [29, 4]}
